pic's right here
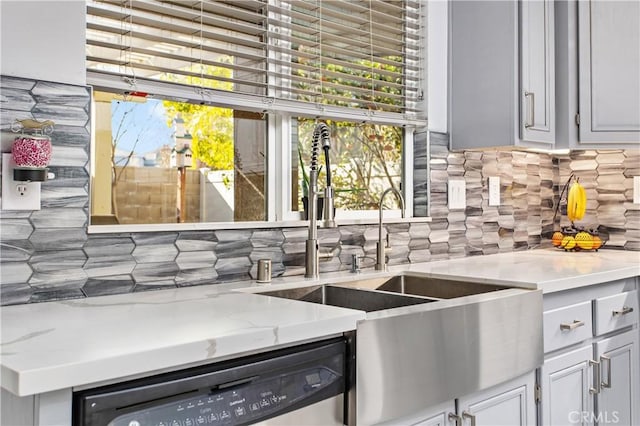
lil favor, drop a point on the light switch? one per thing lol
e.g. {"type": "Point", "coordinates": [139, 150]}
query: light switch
{"type": "Point", "coordinates": [636, 190]}
{"type": "Point", "coordinates": [494, 191]}
{"type": "Point", "coordinates": [457, 194]}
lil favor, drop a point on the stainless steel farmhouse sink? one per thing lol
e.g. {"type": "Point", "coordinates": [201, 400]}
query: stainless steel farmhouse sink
{"type": "Point", "coordinates": [377, 294]}
{"type": "Point", "coordinates": [427, 340]}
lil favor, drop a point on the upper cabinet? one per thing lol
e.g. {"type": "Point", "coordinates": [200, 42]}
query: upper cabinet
{"type": "Point", "coordinates": [598, 74]}
{"type": "Point", "coordinates": [501, 74]}
{"type": "Point", "coordinates": [537, 80]}
{"type": "Point", "coordinates": [544, 74]}
{"type": "Point", "coordinates": [609, 71]}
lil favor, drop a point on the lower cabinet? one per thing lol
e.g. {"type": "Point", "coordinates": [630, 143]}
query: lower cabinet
{"type": "Point", "coordinates": [593, 384]}
{"type": "Point", "coordinates": [437, 420]}
{"type": "Point", "coordinates": [590, 374]}
{"type": "Point", "coordinates": [566, 382]}
{"type": "Point", "coordinates": [438, 416]}
{"type": "Point", "coordinates": [509, 404]}
{"type": "Point", "coordinates": [617, 399]}
{"type": "Point", "coordinates": [45, 409]}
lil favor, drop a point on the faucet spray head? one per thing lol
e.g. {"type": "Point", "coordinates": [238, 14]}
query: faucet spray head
{"type": "Point", "coordinates": [322, 133]}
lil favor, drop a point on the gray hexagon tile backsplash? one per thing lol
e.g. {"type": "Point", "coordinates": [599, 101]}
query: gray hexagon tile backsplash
{"type": "Point", "coordinates": [48, 255]}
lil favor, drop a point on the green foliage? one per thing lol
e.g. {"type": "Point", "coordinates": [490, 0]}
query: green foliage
{"type": "Point", "coordinates": [365, 160]}
{"type": "Point", "coordinates": [210, 127]}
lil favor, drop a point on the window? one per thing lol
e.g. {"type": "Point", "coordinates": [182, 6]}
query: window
{"type": "Point", "coordinates": [164, 161]}
{"type": "Point", "coordinates": [365, 159]}
{"type": "Point", "coordinates": [274, 67]}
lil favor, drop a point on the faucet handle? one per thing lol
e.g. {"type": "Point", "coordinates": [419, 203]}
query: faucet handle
{"type": "Point", "coordinates": [387, 244]}
{"type": "Point", "coordinates": [329, 210]}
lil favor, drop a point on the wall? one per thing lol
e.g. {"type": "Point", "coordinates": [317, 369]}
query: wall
{"type": "Point", "coordinates": [150, 194]}
{"type": "Point", "coordinates": [43, 250]}
{"type": "Point", "coordinates": [608, 179]}
{"type": "Point", "coordinates": [527, 198]}
{"type": "Point", "coordinates": [44, 27]}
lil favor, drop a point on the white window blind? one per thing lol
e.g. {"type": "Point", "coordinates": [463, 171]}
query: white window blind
{"type": "Point", "coordinates": [359, 54]}
{"type": "Point", "coordinates": [349, 58]}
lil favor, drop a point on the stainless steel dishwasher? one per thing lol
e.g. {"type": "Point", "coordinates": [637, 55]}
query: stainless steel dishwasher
{"type": "Point", "coordinates": [303, 385]}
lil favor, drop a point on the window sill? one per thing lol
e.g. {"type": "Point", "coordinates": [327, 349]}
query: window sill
{"type": "Point", "coordinates": [168, 227]}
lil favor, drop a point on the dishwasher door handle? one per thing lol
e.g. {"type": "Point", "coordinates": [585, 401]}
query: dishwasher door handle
{"type": "Point", "coordinates": [235, 383]}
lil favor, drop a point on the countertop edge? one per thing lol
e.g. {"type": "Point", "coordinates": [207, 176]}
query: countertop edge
{"type": "Point", "coordinates": [554, 286]}
{"type": "Point", "coordinates": [171, 358]}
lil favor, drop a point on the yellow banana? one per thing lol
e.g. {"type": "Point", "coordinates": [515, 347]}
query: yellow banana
{"type": "Point", "coordinates": [576, 202]}
{"type": "Point", "coordinates": [571, 204]}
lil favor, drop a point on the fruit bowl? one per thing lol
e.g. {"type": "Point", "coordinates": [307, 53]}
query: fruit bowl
{"type": "Point", "coordinates": [572, 239]}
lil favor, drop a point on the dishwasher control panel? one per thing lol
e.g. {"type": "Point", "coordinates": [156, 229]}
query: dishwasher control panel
{"type": "Point", "coordinates": [242, 404]}
{"type": "Point", "coordinates": [234, 392]}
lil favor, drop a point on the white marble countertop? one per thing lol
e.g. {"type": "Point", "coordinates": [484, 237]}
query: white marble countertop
{"type": "Point", "coordinates": [57, 345]}
{"type": "Point", "coordinates": [550, 270]}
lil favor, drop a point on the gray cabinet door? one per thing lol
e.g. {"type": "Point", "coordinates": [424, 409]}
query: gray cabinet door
{"type": "Point", "coordinates": [565, 381]}
{"type": "Point", "coordinates": [609, 71]}
{"type": "Point", "coordinates": [435, 416]}
{"type": "Point", "coordinates": [537, 91]}
{"type": "Point", "coordinates": [618, 400]}
{"type": "Point", "coordinates": [510, 404]}
{"type": "Point", "coordinates": [483, 74]}
{"type": "Point", "coordinates": [502, 74]}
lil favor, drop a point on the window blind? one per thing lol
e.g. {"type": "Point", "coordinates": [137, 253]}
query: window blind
{"type": "Point", "coordinates": [308, 56]}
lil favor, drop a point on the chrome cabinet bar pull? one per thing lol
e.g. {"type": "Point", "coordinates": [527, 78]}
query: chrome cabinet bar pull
{"type": "Point", "coordinates": [604, 358]}
{"type": "Point", "coordinates": [530, 109]}
{"type": "Point", "coordinates": [575, 324]}
{"type": "Point", "coordinates": [455, 418]}
{"type": "Point", "coordinates": [467, 415]}
{"type": "Point", "coordinates": [597, 378]}
{"type": "Point", "coordinates": [624, 311]}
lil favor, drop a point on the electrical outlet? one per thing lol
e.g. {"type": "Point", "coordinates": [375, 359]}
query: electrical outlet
{"type": "Point", "coordinates": [636, 190]}
{"type": "Point", "coordinates": [494, 191]}
{"type": "Point", "coordinates": [457, 194]}
{"type": "Point", "coordinates": [17, 195]}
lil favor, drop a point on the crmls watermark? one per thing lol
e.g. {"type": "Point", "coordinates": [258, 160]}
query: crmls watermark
{"type": "Point", "coordinates": [603, 417]}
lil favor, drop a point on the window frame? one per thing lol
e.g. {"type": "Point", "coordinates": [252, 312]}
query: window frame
{"type": "Point", "coordinates": [282, 148]}
{"type": "Point", "coordinates": [278, 161]}
{"type": "Point", "coordinates": [278, 166]}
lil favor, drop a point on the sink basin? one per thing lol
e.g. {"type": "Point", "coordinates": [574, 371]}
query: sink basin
{"type": "Point", "coordinates": [435, 287]}
{"type": "Point", "coordinates": [346, 297]}
{"type": "Point", "coordinates": [432, 288]}
{"type": "Point", "coordinates": [376, 294]}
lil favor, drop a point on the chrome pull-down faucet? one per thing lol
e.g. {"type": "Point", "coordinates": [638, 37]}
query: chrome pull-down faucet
{"type": "Point", "coordinates": [381, 261]}
{"type": "Point", "coordinates": [320, 132]}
